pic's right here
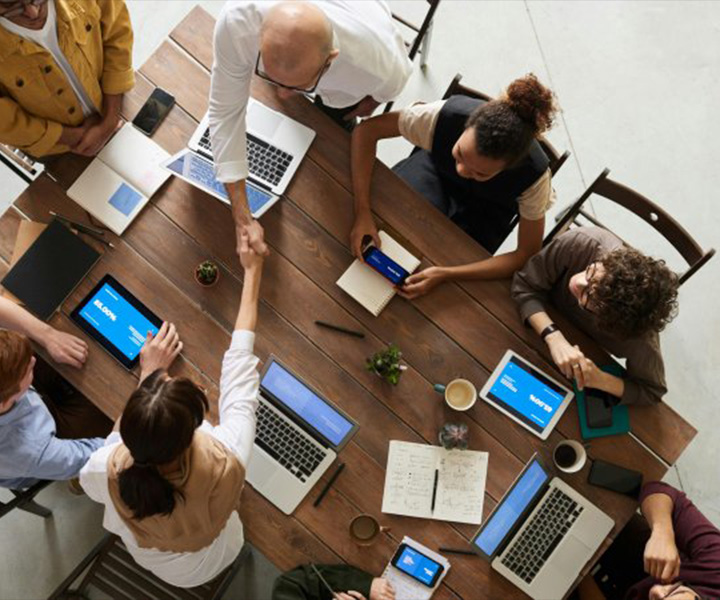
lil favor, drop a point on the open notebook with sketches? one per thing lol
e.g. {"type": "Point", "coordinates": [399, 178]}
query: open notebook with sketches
{"type": "Point", "coordinates": [410, 479]}
{"type": "Point", "coordinates": [121, 179]}
{"type": "Point", "coordinates": [407, 588]}
{"type": "Point", "coordinates": [370, 288]}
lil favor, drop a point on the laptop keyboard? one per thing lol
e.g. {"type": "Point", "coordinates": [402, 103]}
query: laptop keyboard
{"type": "Point", "coordinates": [542, 535]}
{"type": "Point", "coordinates": [282, 441]}
{"type": "Point", "coordinates": [266, 162]}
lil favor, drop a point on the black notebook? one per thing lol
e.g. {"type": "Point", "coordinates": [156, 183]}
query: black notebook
{"type": "Point", "coordinates": [50, 269]}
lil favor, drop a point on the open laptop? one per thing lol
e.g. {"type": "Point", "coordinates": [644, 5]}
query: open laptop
{"type": "Point", "coordinates": [276, 144]}
{"type": "Point", "coordinates": [542, 533]}
{"type": "Point", "coordinates": [299, 434]}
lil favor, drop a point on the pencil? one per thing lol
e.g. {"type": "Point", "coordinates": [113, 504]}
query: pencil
{"type": "Point", "coordinates": [457, 551]}
{"type": "Point", "coordinates": [328, 485]}
{"type": "Point", "coordinates": [358, 334]}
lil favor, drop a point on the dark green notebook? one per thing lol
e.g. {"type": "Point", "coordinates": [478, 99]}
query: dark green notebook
{"type": "Point", "coordinates": [620, 414]}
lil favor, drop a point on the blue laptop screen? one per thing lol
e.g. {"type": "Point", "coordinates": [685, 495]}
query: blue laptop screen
{"type": "Point", "coordinates": [201, 172]}
{"type": "Point", "coordinates": [506, 514]}
{"type": "Point", "coordinates": [123, 325]}
{"type": "Point", "coordinates": [306, 404]}
{"type": "Point", "coordinates": [527, 394]}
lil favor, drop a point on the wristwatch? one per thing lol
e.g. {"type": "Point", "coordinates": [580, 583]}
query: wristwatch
{"type": "Point", "coordinates": [548, 330]}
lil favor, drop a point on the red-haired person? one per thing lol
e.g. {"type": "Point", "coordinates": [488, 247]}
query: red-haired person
{"type": "Point", "coordinates": [47, 430]}
{"type": "Point", "coordinates": [477, 162]}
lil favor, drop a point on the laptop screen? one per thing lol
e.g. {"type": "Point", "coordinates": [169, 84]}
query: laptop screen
{"type": "Point", "coordinates": [306, 404]}
{"type": "Point", "coordinates": [512, 506]}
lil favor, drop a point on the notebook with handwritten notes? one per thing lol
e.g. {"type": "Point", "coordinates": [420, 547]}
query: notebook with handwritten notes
{"type": "Point", "coordinates": [410, 481]}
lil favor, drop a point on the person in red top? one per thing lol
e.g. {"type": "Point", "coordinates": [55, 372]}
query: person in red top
{"type": "Point", "coordinates": [680, 559]}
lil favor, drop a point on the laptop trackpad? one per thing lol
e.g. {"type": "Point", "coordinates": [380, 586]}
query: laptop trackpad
{"type": "Point", "coordinates": [570, 556]}
{"type": "Point", "coordinates": [262, 121]}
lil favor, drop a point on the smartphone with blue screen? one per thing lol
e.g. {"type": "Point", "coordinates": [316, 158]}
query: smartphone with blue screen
{"type": "Point", "coordinates": [418, 566]}
{"type": "Point", "coordinates": [383, 264]}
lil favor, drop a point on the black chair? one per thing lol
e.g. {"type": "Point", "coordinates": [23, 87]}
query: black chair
{"type": "Point", "coordinates": [114, 572]}
{"type": "Point", "coordinates": [25, 500]}
{"type": "Point", "coordinates": [644, 208]}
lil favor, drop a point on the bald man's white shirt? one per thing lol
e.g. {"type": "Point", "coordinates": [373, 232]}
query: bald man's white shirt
{"type": "Point", "coordinates": [372, 62]}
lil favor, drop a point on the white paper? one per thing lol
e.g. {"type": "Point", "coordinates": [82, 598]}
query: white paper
{"type": "Point", "coordinates": [406, 588]}
{"type": "Point", "coordinates": [410, 477]}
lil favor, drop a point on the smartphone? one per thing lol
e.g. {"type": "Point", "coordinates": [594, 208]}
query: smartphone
{"type": "Point", "coordinates": [418, 566]}
{"type": "Point", "coordinates": [616, 478]}
{"type": "Point", "coordinates": [599, 409]}
{"type": "Point", "coordinates": [154, 110]}
{"type": "Point", "coordinates": [384, 265]}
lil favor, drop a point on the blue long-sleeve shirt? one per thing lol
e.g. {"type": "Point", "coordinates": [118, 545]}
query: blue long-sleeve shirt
{"type": "Point", "coordinates": [30, 450]}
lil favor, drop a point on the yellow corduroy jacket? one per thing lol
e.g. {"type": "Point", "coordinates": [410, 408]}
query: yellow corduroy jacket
{"type": "Point", "coordinates": [36, 98]}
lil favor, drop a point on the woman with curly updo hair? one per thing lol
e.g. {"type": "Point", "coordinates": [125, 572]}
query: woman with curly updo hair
{"type": "Point", "coordinates": [614, 293]}
{"type": "Point", "coordinates": [478, 162]}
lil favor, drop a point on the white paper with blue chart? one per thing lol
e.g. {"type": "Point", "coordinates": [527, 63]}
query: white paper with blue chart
{"type": "Point", "coordinates": [122, 178]}
{"type": "Point", "coordinates": [407, 588]}
{"type": "Point", "coordinates": [410, 479]}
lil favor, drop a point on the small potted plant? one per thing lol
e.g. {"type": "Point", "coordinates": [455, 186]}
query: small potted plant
{"type": "Point", "coordinates": [454, 435]}
{"type": "Point", "coordinates": [386, 364]}
{"type": "Point", "coordinates": [207, 273]}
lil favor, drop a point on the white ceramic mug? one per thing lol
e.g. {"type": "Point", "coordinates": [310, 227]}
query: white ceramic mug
{"type": "Point", "coordinates": [460, 394]}
{"type": "Point", "coordinates": [580, 456]}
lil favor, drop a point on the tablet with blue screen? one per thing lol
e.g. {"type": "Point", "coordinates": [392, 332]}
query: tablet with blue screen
{"type": "Point", "coordinates": [527, 395]}
{"type": "Point", "coordinates": [117, 320]}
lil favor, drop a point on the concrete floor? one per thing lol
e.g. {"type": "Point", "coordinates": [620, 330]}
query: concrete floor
{"type": "Point", "coordinates": [637, 85]}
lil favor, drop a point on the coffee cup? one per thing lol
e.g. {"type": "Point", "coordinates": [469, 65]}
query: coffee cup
{"type": "Point", "coordinates": [569, 456]}
{"type": "Point", "coordinates": [459, 394]}
{"type": "Point", "coordinates": [364, 529]}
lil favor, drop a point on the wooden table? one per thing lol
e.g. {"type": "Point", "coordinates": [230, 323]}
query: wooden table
{"type": "Point", "coordinates": [457, 330]}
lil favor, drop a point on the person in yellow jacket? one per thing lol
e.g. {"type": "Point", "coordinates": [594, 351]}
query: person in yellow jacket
{"type": "Point", "coordinates": [65, 67]}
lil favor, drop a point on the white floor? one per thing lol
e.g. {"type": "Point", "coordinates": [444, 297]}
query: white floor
{"type": "Point", "coordinates": [637, 82]}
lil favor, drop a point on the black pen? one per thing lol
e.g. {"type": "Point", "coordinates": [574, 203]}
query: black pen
{"type": "Point", "coordinates": [457, 551]}
{"type": "Point", "coordinates": [358, 334]}
{"type": "Point", "coordinates": [89, 229]}
{"type": "Point", "coordinates": [432, 506]}
{"type": "Point", "coordinates": [332, 479]}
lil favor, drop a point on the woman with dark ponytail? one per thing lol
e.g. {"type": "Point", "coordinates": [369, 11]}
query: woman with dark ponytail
{"type": "Point", "coordinates": [478, 162]}
{"type": "Point", "coordinates": [169, 480]}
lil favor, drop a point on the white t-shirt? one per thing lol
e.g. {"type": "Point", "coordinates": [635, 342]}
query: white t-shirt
{"type": "Point", "coordinates": [48, 39]}
{"type": "Point", "coordinates": [239, 384]}
{"type": "Point", "coordinates": [372, 61]}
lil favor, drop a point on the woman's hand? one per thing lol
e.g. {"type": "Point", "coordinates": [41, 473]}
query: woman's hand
{"type": "Point", "coordinates": [364, 225]}
{"type": "Point", "coordinates": [566, 356]}
{"type": "Point", "coordinates": [160, 351]}
{"type": "Point", "coordinates": [250, 259]}
{"type": "Point", "coordinates": [380, 589]}
{"type": "Point", "coordinates": [421, 283]}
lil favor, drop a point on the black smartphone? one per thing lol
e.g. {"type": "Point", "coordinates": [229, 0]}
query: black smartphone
{"type": "Point", "coordinates": [599, 409]}
{"type": "Point", "coordinates": [383, 264]}
{"type": "Point", "coordinates": [616, 478]}
{"type": "Point", "coordinates": [420, 567]}
{"type": "Point", "coordinates": [154, 110]}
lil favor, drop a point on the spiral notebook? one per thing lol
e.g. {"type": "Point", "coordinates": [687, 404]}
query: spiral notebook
{"type": "Point", "coordinates": [370, 288]}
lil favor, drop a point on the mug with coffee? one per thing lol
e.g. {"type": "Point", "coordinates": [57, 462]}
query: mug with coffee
{"type": "Point", "coordinates": [569, 456]}
{"type": "Point", "coordinates": [460, 394]}
{"type": "Point", "coordinates": [364, 529]}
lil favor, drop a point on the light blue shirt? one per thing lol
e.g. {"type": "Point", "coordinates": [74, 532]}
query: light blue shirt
{"type": "Point", "coordinates": [30, 450]}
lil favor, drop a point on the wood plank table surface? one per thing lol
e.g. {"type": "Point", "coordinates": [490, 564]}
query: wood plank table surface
{"type": "Point", "coordinates": [457, 330]}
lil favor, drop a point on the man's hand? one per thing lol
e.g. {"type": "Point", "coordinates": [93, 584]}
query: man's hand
{"type": "Point", "coordinates": [249, 259]}
{"type": "Point", "coordinates": [96, 136]}
{"type": "Point", "coordinates": [160, 351]}
{"type": "Point", "coordinates": [364, 225]}
{"type": "Point", "coordinates": [421, 283]}
{"type": "Point", "coordinates": [381, 590]}
{"type": "Point", "coordinates": [256, 237]}
{"type": "Point", "coordinates": [567, 357]}
{"type": "Point", "coordinates": [65, 349]}
{"type": "Point", "coordinates": [365, 108]}
{"type": "Point", "coordinates": [662, 559]}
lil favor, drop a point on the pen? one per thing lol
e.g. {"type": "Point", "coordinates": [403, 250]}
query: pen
{"type": "Point", "coordinates": [79, 226]}
{"type": "Point", "coordinates": [432, 506]}
{"type": "Point", "coordinates": [332, 479]}
{"type": "Point", "coordinates": [456, 551]}
{"type": "Point", "coordinates": [358, 334]}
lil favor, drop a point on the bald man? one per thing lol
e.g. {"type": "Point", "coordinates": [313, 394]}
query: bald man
{"type": "Point", "coordinates": [350, 54]}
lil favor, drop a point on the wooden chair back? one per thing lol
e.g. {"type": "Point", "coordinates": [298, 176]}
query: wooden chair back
{"type": "Point", "coordinates": [25, 500]}
{"type": "Point", "coordinates": [644, 208]}
{"type": "Point", "coordinates": [456, 88]}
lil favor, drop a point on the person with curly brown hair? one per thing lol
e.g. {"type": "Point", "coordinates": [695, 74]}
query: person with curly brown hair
{"type": "Point", "coordinates": [477, 162]}
{"type": "Point", "coordinates": [617, 295]}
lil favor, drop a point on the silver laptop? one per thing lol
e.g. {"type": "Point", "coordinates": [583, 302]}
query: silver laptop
{"type": "Point", "coordinates": [542, 533]}
{"type": "Point", "coordinates": [276, 144]}
{"type": "Point", "coordinates": [299, 434]}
